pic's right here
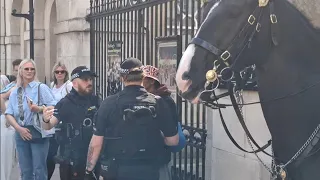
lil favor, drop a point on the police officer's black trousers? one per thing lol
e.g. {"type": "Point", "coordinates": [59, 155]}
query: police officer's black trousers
{"type": "Point", "coordinates": [51, 164]}
{"type": "Point", "coordinates": [136, 172]}
{"type": "Point", "coordinates": [67, 172]}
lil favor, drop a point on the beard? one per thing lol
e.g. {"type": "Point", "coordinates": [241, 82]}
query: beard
{"type": "Point", "coordinates": [85, 90]}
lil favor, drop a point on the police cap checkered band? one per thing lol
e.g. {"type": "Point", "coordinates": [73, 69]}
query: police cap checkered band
{"type": "Point", "coordinates": [82, 71]}
{"type": "Point", "coordinates": [130, 65]}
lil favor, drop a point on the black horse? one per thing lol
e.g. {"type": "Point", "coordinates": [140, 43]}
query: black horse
{"type": "Point", "coordinates": [285, 48]}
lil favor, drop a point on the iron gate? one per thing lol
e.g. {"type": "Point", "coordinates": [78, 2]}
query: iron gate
{"type": "Point", "coordinates": [156, 32]}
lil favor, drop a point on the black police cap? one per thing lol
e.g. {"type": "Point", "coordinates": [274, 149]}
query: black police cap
{"type": "Point", "coordinates": [82, 72]}
{"type": "Point", "coordinates": [131, 65]}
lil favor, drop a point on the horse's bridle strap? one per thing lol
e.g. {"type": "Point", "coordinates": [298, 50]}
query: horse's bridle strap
{"type": "Point", "coordinates": [204, 44]}
{"type": "Point", "coordinates": [274, 23]}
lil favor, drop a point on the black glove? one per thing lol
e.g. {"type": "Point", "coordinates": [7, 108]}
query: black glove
{"type": "Point", "coordinates": [89, 175]}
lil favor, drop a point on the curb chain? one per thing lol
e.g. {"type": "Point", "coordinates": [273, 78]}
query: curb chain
{"type": "Point", "coordinates": [274, 170]}
{"type": "Point", "coordinates": [239, 99]}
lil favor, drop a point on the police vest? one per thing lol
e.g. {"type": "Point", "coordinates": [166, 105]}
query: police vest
{"type": "Point", "coordinates": [135, 134]}
{"type": "Point", "coordinates": [77, 131]}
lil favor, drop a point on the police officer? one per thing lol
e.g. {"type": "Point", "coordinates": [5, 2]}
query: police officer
{"type": "Point", "coordinates": [74, 113]}
{"type": "Point", "coordinates": [134, 127]}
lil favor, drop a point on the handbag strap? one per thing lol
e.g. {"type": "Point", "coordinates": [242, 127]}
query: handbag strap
{"type": "Point", "coordinates": [20, 104]}
{"type": "Point", "coordinates": [20, 101]}
{"type": "Point", "coordinates": [67, 86]}
{"type": "Point", "coordinates": [39, 94]}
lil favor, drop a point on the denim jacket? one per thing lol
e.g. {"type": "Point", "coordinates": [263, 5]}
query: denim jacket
{"type": "Point", "coordinates": [31, 91]}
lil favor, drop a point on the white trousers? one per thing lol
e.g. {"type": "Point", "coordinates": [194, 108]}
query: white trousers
{"type": "Point", "coordinates": [8, 153]}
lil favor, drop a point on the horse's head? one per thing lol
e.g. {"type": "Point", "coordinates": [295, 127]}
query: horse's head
{"type": "Point", "coordinates": [234, 34]}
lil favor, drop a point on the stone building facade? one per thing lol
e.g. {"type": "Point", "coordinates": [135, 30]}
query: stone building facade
{"type": "Point", "coordinates": [61, 33]}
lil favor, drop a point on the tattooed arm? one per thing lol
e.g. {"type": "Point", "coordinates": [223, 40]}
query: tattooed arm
{"type": "Point", "coordinates": [94, 151]}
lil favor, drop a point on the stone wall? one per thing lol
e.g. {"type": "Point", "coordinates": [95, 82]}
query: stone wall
{"type": "Point", "coordinates": [61, 33]}
{"type": "Point", "coordinates": [224, 160]}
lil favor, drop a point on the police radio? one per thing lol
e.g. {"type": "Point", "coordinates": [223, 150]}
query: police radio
{"type": "Point", "coordinates": [87, 124]}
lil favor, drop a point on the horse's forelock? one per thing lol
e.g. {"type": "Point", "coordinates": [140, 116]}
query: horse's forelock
{"type": "Point", "coordinates": [310, 8]}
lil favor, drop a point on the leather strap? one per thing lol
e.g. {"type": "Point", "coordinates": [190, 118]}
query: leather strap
{"type": "Point", "coordinates": [234, 141]}
{"type": "Point", "coordinates": [206, 45]}
{"type": "Point", "coordinates": [243, 124]}
{"type": "Point", "coordinates": [274, 25]}
{"type": "Point", "coordinates": [20, 101]}
{"type": "Point", "coordinates": [39, 94]}
{"type": "Point", "coordinates": [20, 104]}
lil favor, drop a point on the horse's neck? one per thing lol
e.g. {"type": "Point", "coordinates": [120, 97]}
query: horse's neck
{"type": "Point", "coordinates": [292, 67]}
{"type": "Point", "coordinates": [294, 63]}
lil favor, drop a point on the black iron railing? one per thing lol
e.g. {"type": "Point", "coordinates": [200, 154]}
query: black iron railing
{"type": "Point", "coordinates": [156, 32]}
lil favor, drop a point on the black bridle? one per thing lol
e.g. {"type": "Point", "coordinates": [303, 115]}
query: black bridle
{"type": "Point", "coordinates": [242, 40]}
{"type": "Point", "coordinates": [222, 64]}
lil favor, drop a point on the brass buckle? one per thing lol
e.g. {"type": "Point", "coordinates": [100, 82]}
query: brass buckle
{"type": "Point", "coordinates": [263, 3]}
{"type": "Point", "coordinates": [273, 18]}
{"type": "Point", "coordinates": [226, 55]}
{"type": "Point", "coordinates": [258, 27]}
{"type": "Point", "coordinates": [251, 19]}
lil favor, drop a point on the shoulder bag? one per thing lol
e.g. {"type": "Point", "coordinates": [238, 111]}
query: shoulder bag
{"type": "Point", "coordinates": [36, 135]}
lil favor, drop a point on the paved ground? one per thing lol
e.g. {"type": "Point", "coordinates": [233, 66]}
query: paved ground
{"type": "Point", "coordinates": [16, 174]}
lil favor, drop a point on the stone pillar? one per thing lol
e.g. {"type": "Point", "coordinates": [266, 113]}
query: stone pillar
{"type": "Point", "coordinates": [9, 34]}
{"type": "Point", "coordinates": [39, 45]}
{"type": "Point", "coordinates": [13, 50]}
{"type": "Point", "coordinates": [2, 37]}
{"type": "Point", "coordinates": [72, 32]}
{"type": "Point", "coordinates": [226, 161]}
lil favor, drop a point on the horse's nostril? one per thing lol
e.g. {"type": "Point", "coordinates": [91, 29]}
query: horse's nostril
{"type": "Point", "coordinates": [185, 76]}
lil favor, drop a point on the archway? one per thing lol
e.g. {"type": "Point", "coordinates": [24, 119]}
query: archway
{"type": "Point", "coordinates": [50, 22]}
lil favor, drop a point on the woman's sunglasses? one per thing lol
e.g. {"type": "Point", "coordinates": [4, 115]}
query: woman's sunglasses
{"type": "Point", "coordinates": [59, 72]}
{"type": "Point", "coordinates": [29, 69]}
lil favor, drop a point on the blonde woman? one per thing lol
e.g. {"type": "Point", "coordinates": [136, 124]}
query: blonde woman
{"type": "Point", "coordinates": [60, 87]}
{"type": "Point", "coordinates": [32, 144]}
